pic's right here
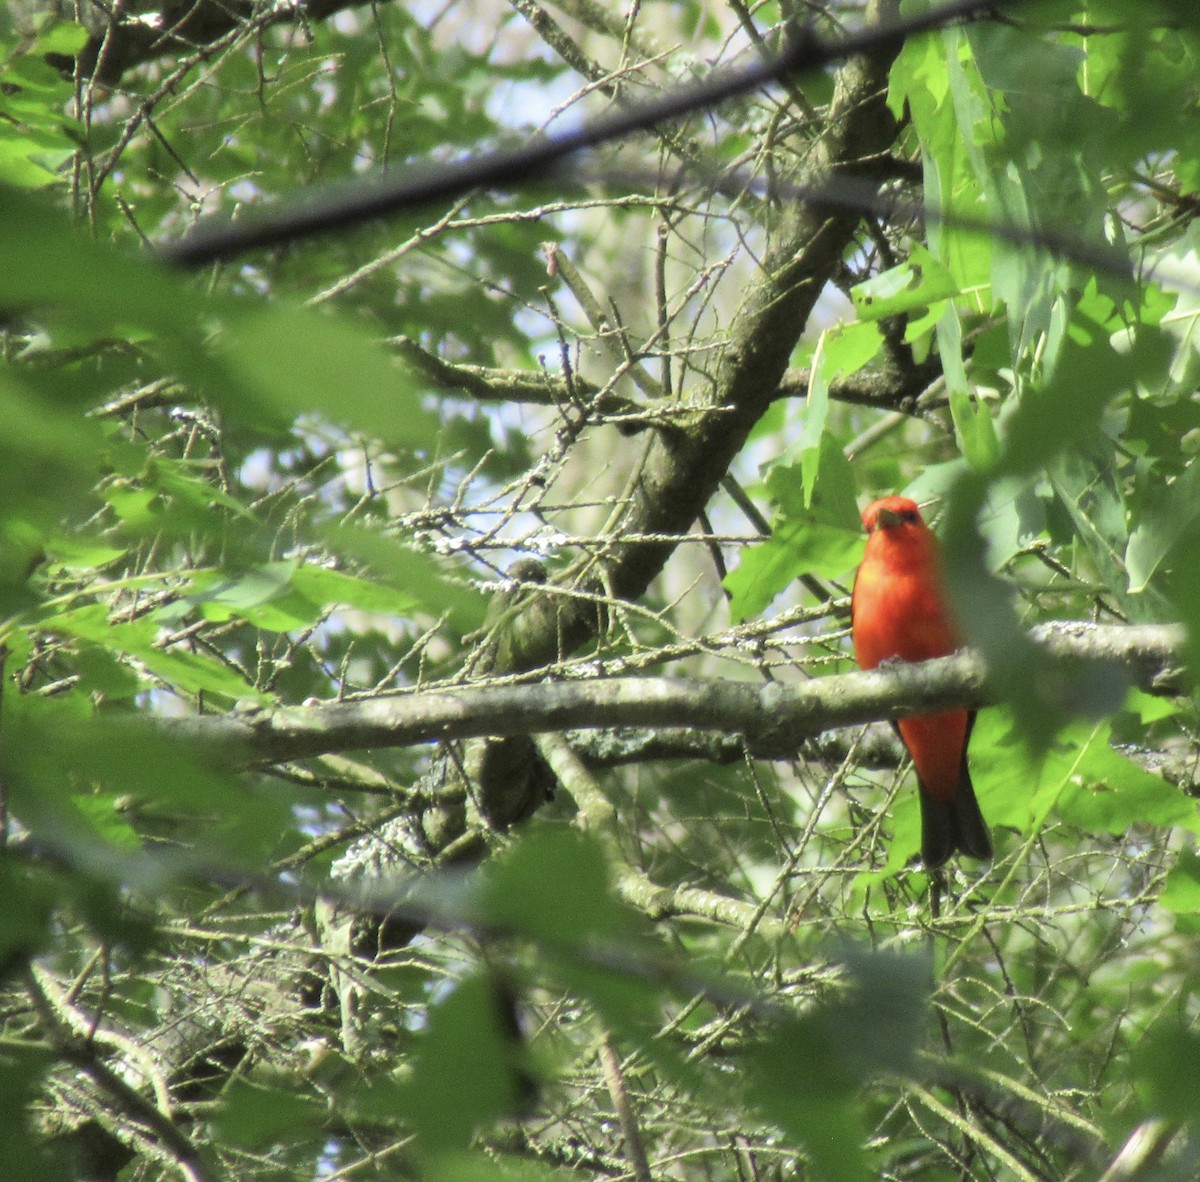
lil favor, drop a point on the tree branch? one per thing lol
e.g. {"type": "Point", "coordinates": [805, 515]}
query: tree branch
{"type": "Point", "coordinates": [176, 29]}
{"type": "Point", "coordinates": [886, 388]}
{"type": "Point", "coordinates": [773, 719]}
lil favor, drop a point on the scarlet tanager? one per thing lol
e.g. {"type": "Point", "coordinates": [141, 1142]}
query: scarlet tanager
{"type": "Point", "coordinates": [898, 611]}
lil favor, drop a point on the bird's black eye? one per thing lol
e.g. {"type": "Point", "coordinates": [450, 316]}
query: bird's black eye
{"type": "Point", "coordinates": [909, 515]}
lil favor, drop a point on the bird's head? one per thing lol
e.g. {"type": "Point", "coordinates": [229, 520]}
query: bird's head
{"type": "Point", "coordinates": [891, 513]}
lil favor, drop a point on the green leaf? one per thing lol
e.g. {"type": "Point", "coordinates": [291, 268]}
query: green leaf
{"type": "Point", "coordinates": [265, 597]}
{"type": "Point", "coordinates": [906, 831]}
{"type": "Point", "coordinates": [1183, 591]}
{"type": "Point", "coordinates": [25, 921]}
{"type": "Point", "coordinates": [1115, 795]}
{"type": "Point", "coordinates": [336, 588]}
{"type": "Point", "coordinates": [70, 769]}
{"type": "Point", "coordinates": [256, 1116]}
{"type": "Point", "coordinates": [465, 1070]}
{"type": "Point", "coordinates": [44, 446]}
{"type": "Point", "coordinates": [918, 283]}
{"type": "Point", "coordinates": [189, 672]}
{"type": "Point", "coordinates": [101, 672]}
{"type": "Point", "coordinates": [819, 535]}
{"type": "Point", "coordinates": [797, 547]}
{"type": "Point", "coordinates": [1165, 521]}
{"type": "Point", "coordinates": [23, 1152]}
{"type": "Point", "coordinates": [432, 583]}
{"type": "Point", "coordinates": [190, 490]}
{"type": "Point", "coordinates": [36, 135]}
{"type": "Point", "coordinates": [284, 596]}
{"type": "Point", "coordinates": [553, 887]}
{"type": "Point", "coordinates": [976, 431]}
{"type": "Point", "coordinates": [50, 264]}
{"type": "Point", "coordinates": [100, 817]}
{"type": "Point", "coordinates": [1036, 163]}
{"type": "Point", "coordinates": [79, 552]}
{"type": "Point", "coordinates": [1085, 481]}
{"type": "Point", "coordinates": [840, 351]}
{"type": "Point", "coordinates": [1090, 371]}
{"type": "Point", "coordinates": [1181, 891]}
{"type": "Point", "coordinates": [272, 362]}
{"type": "Point", "coordinates": [1079, 778]}
{"type": "Point", "coordinates": [1164, 1063]}
{"type": "Point", "coordinates": [299, 361]}
{"type": "Point", "coordinates": [474, 1167]}
{"type": "Point", "coordinates": [61, 36]}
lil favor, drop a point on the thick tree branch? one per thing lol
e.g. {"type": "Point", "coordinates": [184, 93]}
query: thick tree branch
{"type": "Point", "coordinates": [883, 389]}
{"type": "Point", "coordinates": [622, 746]}
{"type": "Point", "coordinates": [887, 388]}
{"type": "Point", "coordinates": [773, 719]}
{"type": "Point", "coordinates": [177, 28]}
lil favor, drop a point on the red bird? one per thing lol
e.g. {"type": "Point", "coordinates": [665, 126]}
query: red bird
{"type": "Point", "coordinates": [898, 611]}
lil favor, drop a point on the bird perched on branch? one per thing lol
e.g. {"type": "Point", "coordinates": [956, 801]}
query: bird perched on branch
{"type": "Point", "coordinates": [898, 611]}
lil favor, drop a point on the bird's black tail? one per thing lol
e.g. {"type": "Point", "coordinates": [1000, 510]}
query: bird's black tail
{"type": "Point", "coordinates": [953, 825]}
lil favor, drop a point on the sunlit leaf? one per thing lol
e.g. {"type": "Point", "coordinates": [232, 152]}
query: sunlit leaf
{"type": "Point", "coordinates": [819, 536]}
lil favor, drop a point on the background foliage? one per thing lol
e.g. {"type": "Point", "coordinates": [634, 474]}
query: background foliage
{"type": "Point", "coordinates": [533, 436]}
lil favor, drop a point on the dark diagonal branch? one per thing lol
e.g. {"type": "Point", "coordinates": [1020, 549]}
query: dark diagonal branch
{"type": "Point", "coordinates": [339, 206]}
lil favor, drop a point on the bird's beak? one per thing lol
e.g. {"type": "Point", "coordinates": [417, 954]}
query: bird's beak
{"type": "Point", "coordinates": [886, 518]}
